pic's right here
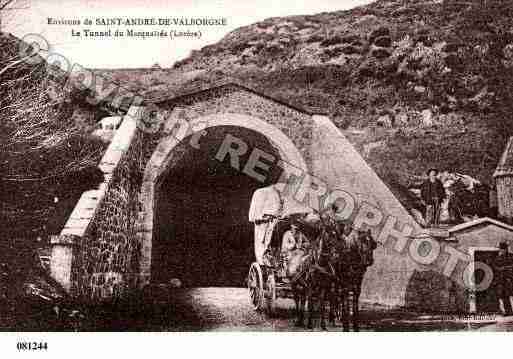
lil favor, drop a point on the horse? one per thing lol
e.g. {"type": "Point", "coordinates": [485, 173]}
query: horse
{"type": "Point", "coordinates": [351, 267]}
{"type": "Point", "coordinates": [312, 275]}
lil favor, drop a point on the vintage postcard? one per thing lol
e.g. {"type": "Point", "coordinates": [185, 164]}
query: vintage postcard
{"type": "Point", "coordinates": [307, 166]}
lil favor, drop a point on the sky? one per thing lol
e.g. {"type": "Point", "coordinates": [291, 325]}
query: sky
{"type": "Point", "coordinates": [114, 52]}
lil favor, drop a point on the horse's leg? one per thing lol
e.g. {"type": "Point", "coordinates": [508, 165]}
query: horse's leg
{"type": "Point", "coordinates": [333, 300]}
{"type": "Point", "coordinates": [303, 308]}
{"type": "Point", "coordinates": [323, 296]}
{"type": "Point", "coordinates": [296, 302]}
{"type": "Point", "coordinates": [344, 299]}
{"type": "Point", "coordinates": [296, 298]}
{"type": "Point", "coordinates": [356, 313]}
{"type": "Point", "coordinates": [299, 300]}
{"type": "Point", "coordinates": [309, 298]}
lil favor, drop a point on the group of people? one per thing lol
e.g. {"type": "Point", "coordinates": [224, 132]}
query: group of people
{"type": "Point", "coordinates": [450, 197]}
{"type": "Point", "coordinates": [327, 265]}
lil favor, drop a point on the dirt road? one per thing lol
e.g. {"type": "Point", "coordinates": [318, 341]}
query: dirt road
{"type": "Point", "coordinates": [228, 309]}
{"type": "Point", "coordinates": [224, 309]}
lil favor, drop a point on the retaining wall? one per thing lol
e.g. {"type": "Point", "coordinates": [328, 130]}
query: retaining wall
{"type": "Point", "coordinates": [96, 255]}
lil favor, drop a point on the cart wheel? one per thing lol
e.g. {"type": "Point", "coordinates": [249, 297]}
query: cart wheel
{"type": "Point", "coordinates": [256, 286]}
{"type": "Point", "coordinates": [270, 296]}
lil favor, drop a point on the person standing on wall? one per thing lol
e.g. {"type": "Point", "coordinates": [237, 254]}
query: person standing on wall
{"type": "Point", "coordinates": [432, 193]}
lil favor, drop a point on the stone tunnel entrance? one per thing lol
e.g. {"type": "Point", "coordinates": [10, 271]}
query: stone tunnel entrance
{"type": "Point", "coordinates": [201, 234]}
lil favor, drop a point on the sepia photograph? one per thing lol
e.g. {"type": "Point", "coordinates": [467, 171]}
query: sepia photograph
{"type": "Point", "coordinates": [225, 166]}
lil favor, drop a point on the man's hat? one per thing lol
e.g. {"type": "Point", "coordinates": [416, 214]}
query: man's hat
{"type": "Point", "coordinates": [503, 245]}
{"type": "Point", "coordinates": [430, 170]}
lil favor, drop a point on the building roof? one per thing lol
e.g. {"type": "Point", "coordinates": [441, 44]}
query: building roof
{"type": "Point", "coordinates": [479, 222]}
{"type": "Point", "coordinates": [505, 166]}
{"type": "Point", "coordinates": [448, 234]}
{"type": "Point", "coordinates": [199, 86]}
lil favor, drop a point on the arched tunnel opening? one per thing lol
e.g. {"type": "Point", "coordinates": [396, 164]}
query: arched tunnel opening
{"type": "Point", "coordinates": [202, 234]}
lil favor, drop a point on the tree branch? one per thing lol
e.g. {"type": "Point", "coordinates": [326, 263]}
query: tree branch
{"type": "Point", "coordinates": [12, 64]}
{"type": "Point", "coordinates": [5, 3]}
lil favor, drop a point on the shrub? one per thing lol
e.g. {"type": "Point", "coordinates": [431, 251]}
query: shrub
{"type": "Point", "coordinates": [315, 38]}
{"type": "Point", "coordinates": [341, 120]}
{"type": "Point", "coordinates": [335, 40]}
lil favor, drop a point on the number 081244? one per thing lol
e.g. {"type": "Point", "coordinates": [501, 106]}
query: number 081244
{"type": "Point", "coordinates": [22, 346]}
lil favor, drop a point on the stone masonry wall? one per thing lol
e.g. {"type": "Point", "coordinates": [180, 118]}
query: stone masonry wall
{"type": "Point", "coordinates": [96, 256]}
{"type": "Point", "coordinates": [106, 260]}
{"type": "Point", "coordinates": [293, 123]}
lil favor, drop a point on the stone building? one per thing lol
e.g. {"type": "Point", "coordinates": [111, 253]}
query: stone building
{"type": "Point", "coordinates": [478, 241]}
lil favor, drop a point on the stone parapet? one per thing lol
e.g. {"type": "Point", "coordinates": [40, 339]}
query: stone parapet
{"type": "Point", "coordinates": [95, 256]}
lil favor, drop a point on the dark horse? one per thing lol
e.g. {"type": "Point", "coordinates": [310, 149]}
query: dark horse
{"type": "Point", "coordinates": [312, 274]}
{"type": "Point", "coordinates": [351, 264]}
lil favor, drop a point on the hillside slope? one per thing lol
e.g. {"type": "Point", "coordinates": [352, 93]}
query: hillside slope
{"type": "Point", "coordinates": [413, 84]}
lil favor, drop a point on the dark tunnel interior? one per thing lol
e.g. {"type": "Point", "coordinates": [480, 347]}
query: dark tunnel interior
{"type": "Point", "coordinates": [202, 234]}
